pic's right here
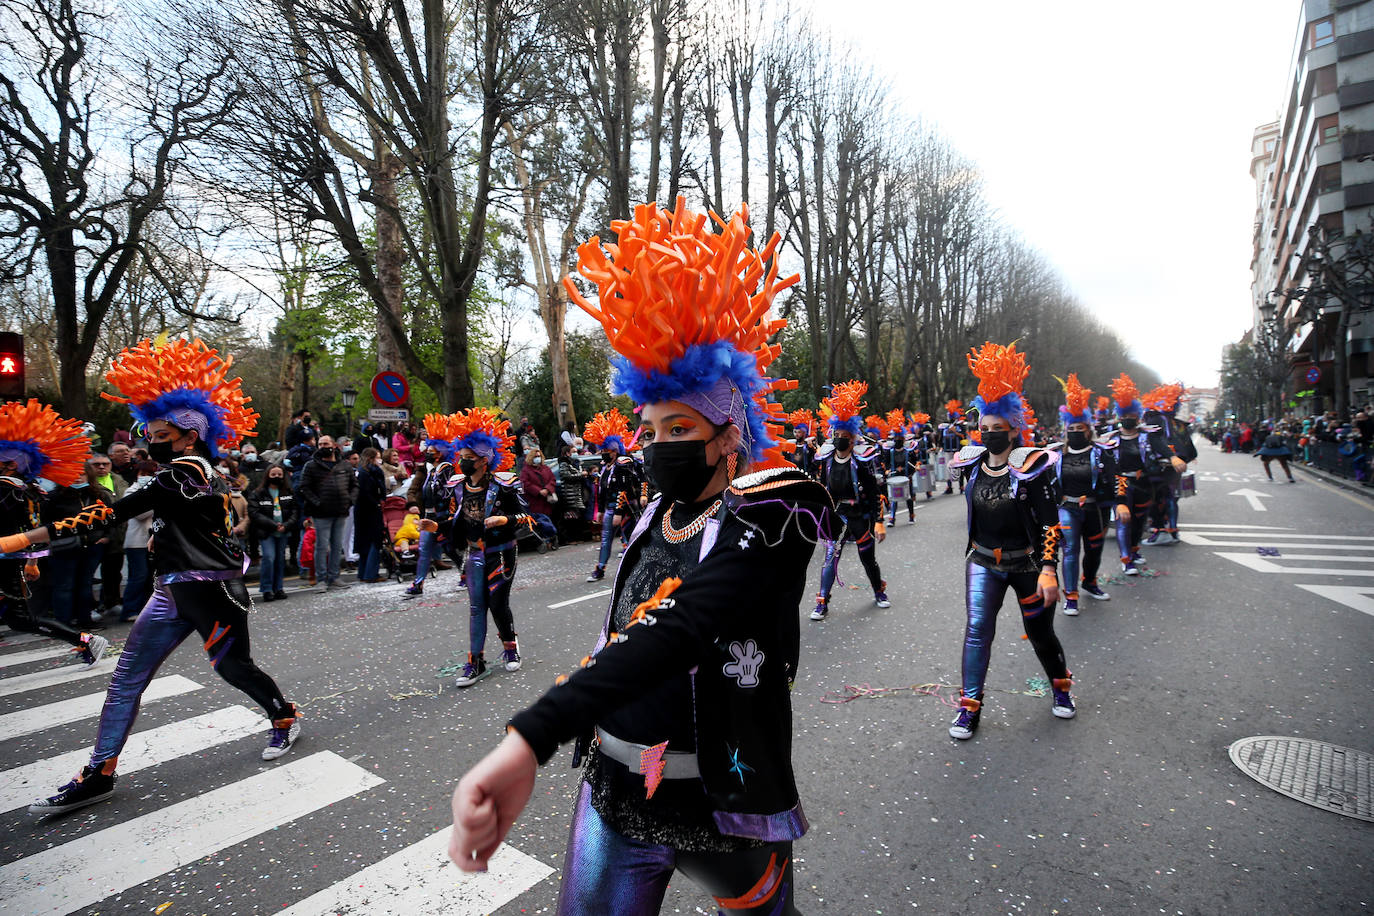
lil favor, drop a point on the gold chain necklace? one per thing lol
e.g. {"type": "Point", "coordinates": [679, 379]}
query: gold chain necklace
{"type": "Point", "coordinates": [693, 528]}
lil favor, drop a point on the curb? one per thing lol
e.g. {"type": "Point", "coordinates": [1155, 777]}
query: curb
{"type": "Point", "coordinates": [1341, 482]}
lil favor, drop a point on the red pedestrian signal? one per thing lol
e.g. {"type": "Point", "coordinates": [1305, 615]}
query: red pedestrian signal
{"type": "Point", "coordinates": [11, 366]}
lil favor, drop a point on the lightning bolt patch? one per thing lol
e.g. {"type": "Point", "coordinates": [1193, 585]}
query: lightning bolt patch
{"type": "Point", "coordinates": [651, 765]}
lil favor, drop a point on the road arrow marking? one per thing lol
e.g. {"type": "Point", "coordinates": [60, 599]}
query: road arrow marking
{"type": "Point", "coordinates": [1253, 496]}
{"type": "Point", "coordinates": [1359, 597]}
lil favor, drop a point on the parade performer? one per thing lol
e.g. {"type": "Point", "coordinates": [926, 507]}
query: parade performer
{"type": "Point", "coordinates": [1102, 416]}
{"type": "Point", "coordinates": [1160, 405]}
{"type": "Point", "coordinates": [431, 490]}
{"type": "Point", "coordinates": [1138, 461]}
{"type": "Point", "coordinates": [487, 512]}
{"type": "Point", "coordinates": [922, 439]}
{"type": "Point", "coordinates": [620, 483]}
{"type": "Point", "coordinates": [687, 693]}
{"type": "Point", "coordinates": [1013, 534]}
{"type": "Point", "coordinates": [846, 468]}
{"type": "Point", "coordinates": [36, 443]}
{"type": "Point", "coordinates": [951, 440]}
{"type": "Point", "coordinates": [1087, 482]}
{"type": "Point", "coordinates": [191, 412]}
{"type": "Point", "coordinates": [900, 461]}
{"type": "Point", "coordinates": [803, 454]}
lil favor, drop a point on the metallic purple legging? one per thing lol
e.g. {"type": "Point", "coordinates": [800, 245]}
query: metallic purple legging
{"type": "Point", "coordinates": [490, 575]}
{"type": "Point", "coordinates": [1084, 538]}
{"type": "Point", "coordinates": [985, 589]}
{"type": "Point", "coordinates": [860, 531]}
{"type": "Point", "coordinates": [608, 874]}
{"type": "Point", "coordinates": [218, 610]}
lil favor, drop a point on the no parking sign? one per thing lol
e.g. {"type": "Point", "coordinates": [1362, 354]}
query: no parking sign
{"type": "Point", "coordinates": [390, 389]}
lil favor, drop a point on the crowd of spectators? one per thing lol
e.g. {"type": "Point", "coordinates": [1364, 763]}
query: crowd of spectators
{"type": "Point", "coordinates": [1340, 445]}
{"type": "Point", "coordinates": [311, 505]}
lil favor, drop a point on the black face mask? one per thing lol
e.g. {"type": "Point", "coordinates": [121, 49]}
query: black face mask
{"type": "Point", "coordinates": [327, 454]}
{"type": "Point", "coordinates": [896, 441]}
{"type": "Point", "coordinates": [607, 458]}
{"type": "Point", "coordinates": [678, 469]}
{"type": "Point", "coordinates": [842, 444]}
{"type": "Point", "coordinates": [468, 466]}
{"type": "Point", "coordinates": [1129, 422]}
{"type": "Point", "coordinates": [1078, 439]}
{"type": "Point", "coordinates": [997, 440]}
{"type": "Point", "coordinates": [162, 452]}
{"type": "Point", "coordinates": [274, 481]}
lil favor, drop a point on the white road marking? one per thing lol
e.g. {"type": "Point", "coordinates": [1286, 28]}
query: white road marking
{"type": "Point", "coordinates": [421, 881]}
{"type": "Point", "coordinates": [1304, 541]}
{"type": "Point", "coordinates": [145, 749]}
{"type": "Point", "coordinates": [53, 676]}
{"type": "Point", "coordinates": [1253, 498]}
{"type": "Point", "coordinates": [11, 640]}
{"type": "Point", "coordinates": [1218, 525]}
{"type": "Point", "coordinates": [601, 594]}
{"type": "Point", "coordinates": [1359, 597]}
{"type": "Point", "coordinates": [1265, 565]}
{"type": "Point", "coordinates": [34, 655]}
{"type": "Point", "coordinates": [98, 865]}
{"type": "Point", "coordinates": [37, 718]}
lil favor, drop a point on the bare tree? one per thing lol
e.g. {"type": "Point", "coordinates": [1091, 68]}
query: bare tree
{"type": "Point", "coordinates": [78, 187]}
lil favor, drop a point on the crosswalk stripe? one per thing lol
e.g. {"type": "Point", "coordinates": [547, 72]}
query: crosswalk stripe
{"type": "Point", "coordinates": [1238, 527]}
{"type": "Point", "coordinates": [33, 655]}
{"type": "Point", "coordinates": [1265, 565]}
{"type": "Point", "coordinates": [421, 881]}
{"type": "Point", "coordinates": [10, 640]}
{"type": "Point", "coordinates": [1288, 534]}
{"type": "Point", "coordinates": [1206, 540]}
{"type": "Point", "coordinates": [83, 872]}
{"type": "Point", "coordinates": [53, 676]}
{"type": "Point", "coordinates": [64, 712]}
{"type": "Point", "coordinates": [21, 785]}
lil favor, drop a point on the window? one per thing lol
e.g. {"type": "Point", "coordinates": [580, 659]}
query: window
{"type": "Point", "coordinates": [1268, 146]}
{"type": "Point", "coordinates": [1323, 81]}
{"type": "Point", "coordinates": [1322, 32]}
{"type": "Point", "coordinates": [1328, 130]}
{"type": "Point", "coordinates": [1328, 178]}
{"type": "Point", "coordinates": [1334, 224]}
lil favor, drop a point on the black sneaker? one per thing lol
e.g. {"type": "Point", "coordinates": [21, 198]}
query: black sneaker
{"type": "Point", "coordinates": [1063, 707]}
{"type": "Point", "coordinates": [278, 596]}
{"type": "Point", "coordinates": [415, 590]}
{"type": "Point", "coordinates": [473, 671]}
{"type": "Point", "coordinates": [966, 723]}
{"type": "Point", "coordinates": [87, 788]}
{"type": "Point", "coordinates": [597, 575]}
{"type": "Point", "coordinates": [1095, 591]}
{"type": "Point", "coordinates": [284, 734]}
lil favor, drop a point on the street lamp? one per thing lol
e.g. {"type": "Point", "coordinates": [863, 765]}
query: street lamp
{"type": "Point", "coordinates": [350, 397]}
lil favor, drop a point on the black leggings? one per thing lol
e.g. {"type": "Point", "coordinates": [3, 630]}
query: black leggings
{"type": "Point", "coordinates": [1283, 463]}
{"type": "Point", "coordinates": [18, 614]}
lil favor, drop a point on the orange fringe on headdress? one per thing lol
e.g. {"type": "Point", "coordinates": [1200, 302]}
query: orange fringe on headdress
{"type": "Point", "coordinates": [670, 282]}
{"type": "Point", "coordinates": [954, 406]}
{"type": "Point", "coordinates": [921, 418]}
{"type": "Point", "coordinates": [483, 424]}
{"type": "Point", "coordinates": [1075, 395]}
{"type": "Point", "coordinates": [1104, 402]}
{"type": "Point", "coordinates": [1165, 397]}
{"type": "Point", "coordinates": [607, 423]}
{"type": "Point", "coordinates": [1028, 430]}
{"type": "Point", "coordinates": [873, 421]}
{"type": "Point", "coordinates": [1124, 390]}
{"type": "Point", "coordinates": [845, 401]}
{"type": "Point", "coordinates": [60, 441]}
{"type": "Point", "coordinates": [1000, 370]}
{"type": "Point", "coordinates": [803, 417]}
{"type": "Point", "coordinates": [148, 371]}
{"type": "Point", "coordinates": [896, 419]}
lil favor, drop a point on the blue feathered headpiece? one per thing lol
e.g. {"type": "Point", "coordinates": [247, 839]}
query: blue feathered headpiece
{"type": "Point", "coordinates": [188, 408]}
{"type": "Point", "coordinates": [1009, 407]}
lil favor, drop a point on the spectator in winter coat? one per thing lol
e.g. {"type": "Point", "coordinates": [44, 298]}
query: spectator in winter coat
{"type": "Point", "coordinates": [327, 491]}
{"type": "Point", "coordinates": [275, 515]}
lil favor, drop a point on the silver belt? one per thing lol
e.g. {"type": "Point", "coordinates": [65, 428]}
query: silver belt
{"type": "Point", "coordinates": [676, 764]}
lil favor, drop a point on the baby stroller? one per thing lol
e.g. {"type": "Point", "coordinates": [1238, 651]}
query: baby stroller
{"type": "Point", "coordinates": [397, 563]}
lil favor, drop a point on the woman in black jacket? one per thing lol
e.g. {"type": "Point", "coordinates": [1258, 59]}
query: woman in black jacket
{"type": "Point", "coordinates": [275, 517]}
{"type": "Point", "coordinates": [369, 528]}
{"type": "Point", "coordinates": [687, 693]}
{"type": "Point", "coordinates": [1013, 535]}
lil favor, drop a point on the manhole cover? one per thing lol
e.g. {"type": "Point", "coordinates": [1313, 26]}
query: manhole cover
{"type": "Point", "coordinates": [1322, 775]}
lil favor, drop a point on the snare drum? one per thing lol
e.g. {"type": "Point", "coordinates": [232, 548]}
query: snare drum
{"type": "Point", "coordinates": [898, 489]}
{"type": "Point", "coordinates": [1187, 484]}
{"type": "Point", "coordinates": [942, 467]}
{"type": "Point", "coordinates": [923, 482]}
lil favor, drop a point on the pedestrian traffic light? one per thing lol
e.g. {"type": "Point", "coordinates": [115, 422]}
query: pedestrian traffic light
{"type": "Point", "coordinates": [11, 366]}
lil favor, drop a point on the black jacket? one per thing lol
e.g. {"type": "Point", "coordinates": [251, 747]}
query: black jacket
{"type": "Point", "coordinates": [734, 620]}
{"type": "Point", "coordinates": [260, 510]}
{"type": "Point", "coordinates": [503, 497]}
{"type": "Point", "coordinates": [328, 488]}
{"type": "Point", "coordinates": [619, 483]}
{"type": "Point", "coordinates": [1035, 485]}
{"type": "Point", "coordinates": [867, 487]}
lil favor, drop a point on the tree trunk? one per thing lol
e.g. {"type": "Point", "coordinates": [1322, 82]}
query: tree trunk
{"type": "Point", "coordinates": [286, 390]}
{"type": "Point", "coordinates": [390, 258]}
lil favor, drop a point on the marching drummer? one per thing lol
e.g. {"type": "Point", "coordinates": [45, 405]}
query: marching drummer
{"type": "Point", "coordinates": [900, 462]}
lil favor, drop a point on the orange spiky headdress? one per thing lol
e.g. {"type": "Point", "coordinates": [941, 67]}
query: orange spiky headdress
{"type": "Point", "coordinates": [1028, 431]}
{"type": "Point", "coordinates": [1127, 396]}
{"type": "Point", "coordinates": [895, 421]}
{"type": "Point", "coordinates": [1075, 409]}
{"type": "Point", "coordinates": [1164, 398]}
{"type": "Point", "coordinates": [480, 429]}
{"type": "Point", "coordinates": [1001, 371]}
{"type": "Point", "coordinates": [920, 419]}
{"type": "Point", "coordinates": [41, 443]}
{"type": "Point", "coordinates": [183, 383]}
{"type": "Point", "coordinates": [802, 420]}
{"type": "Point", "coordinates": [686, 309]}
{"type": "Point", "coordinates": [875, 426]}
{"type": "Point", "coordinates": [954, 408]}
{"type": "Point", "coordinates": [1104, 406]}
{"type": "Point", "coordinates": [841, 409]}
{"type": "Point", "coordinates": [608, 430]}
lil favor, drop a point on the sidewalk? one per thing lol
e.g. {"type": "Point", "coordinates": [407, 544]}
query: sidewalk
{"type": "Point", "coordinates": [1345, 483]}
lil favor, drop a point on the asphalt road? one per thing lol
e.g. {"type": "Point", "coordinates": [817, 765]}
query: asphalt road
{"type": "Point", "coordinates": [1133, 806]}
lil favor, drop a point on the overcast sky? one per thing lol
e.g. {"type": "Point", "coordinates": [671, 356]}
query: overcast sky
{"type": "Point", "coordinates": [1114, 136]}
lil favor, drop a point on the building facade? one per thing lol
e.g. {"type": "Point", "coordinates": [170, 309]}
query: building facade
{"type": "Point", "coordinates": [1314, 167]}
